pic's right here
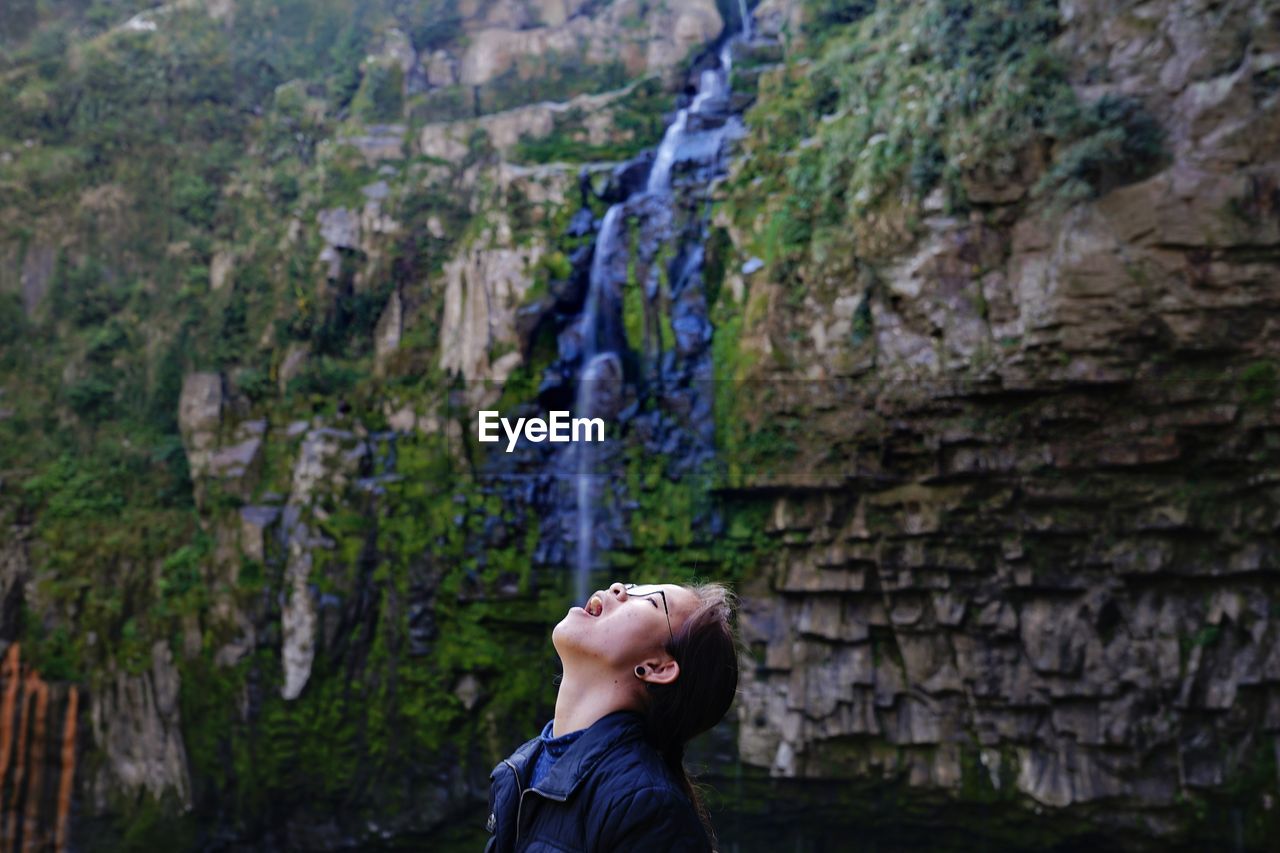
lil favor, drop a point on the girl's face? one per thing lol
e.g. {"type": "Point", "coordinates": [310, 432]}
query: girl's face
{"type": "Point", "coordinates": [624, 625]}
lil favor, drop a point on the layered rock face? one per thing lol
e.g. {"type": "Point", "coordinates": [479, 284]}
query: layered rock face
{"type": "Point", "coordinates": [1026, 505]}
{"type": "Point", "coordinates": [1068, 587]}
{"type": "Point", "coordinates": [511, 37]}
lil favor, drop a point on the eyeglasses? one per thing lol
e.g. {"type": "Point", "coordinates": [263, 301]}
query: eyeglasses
{"type": "Point", "coordinates": [630, 586]}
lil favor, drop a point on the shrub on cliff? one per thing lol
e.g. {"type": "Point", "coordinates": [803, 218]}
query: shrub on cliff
{"type": "Point", "coordinates": [883, 103]}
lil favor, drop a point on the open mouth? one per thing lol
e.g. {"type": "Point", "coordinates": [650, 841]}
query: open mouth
{"type": "Point", "coordinates": [595, 605]}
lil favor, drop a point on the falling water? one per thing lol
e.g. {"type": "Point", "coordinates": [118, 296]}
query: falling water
{"type": "Point", "coordinates": [684, 138]}
{"type": "Point", "coordinates": [747, 34]}
{"type": "Point", "coordinates": [605, 241]}
{"type": "Point", "coordinates": [711, 84]}
{"type": "Point", "coordinates": [593, 383]}
{"type": "Point", "coordinates": [588, 381]}
{"type": "Point", "coordinates": [660, 176]}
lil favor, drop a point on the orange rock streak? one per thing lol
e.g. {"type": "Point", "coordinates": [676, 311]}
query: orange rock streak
{"type": "Point", "coordinates": [19, 776]}
{"type": "Point", "coordinates": [25, 822]}
{"type": "Point", "coordinates": [68, 768]}
{"type": "Point", "coordinates": [32, 834]}
{"type": "Point", "coordinates": [9, 676]}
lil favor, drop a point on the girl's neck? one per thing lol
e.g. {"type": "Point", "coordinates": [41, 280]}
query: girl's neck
{"type": "Point", "coordinates": [586, 696]}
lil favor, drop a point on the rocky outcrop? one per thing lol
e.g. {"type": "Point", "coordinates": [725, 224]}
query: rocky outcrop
{"type": "Point", "coordinates": [137, 725]}
{"type": "Point", "coordinates": [230, 453]}
{"type": "Point", "coordinates": [221, 267]}
{"type": "Point", "coordinates": [983, 582]}
{"type": "Point", "coordinates": [483, 288]}
{"type": "Point", "coordinates": [488, 281]}
{"type": "Point", "coordinates": [230, 456]}
{"type": "Point", "coordinates": [501, 43]}
{"type": "Point", "coordinates": [327, 461]}
{"type": "Point", "coordinates": [778, 19]}
{"type": "Point", "coordinates": [1027, 531]}
{"type": "Point", "coordinates": [355, 230]}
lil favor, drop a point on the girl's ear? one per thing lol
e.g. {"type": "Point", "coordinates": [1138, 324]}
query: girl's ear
{"type": "Point", "coordinates": [662, 671]}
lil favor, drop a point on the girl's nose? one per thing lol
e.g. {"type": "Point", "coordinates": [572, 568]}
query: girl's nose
{"type": "Point", "coordinates": [619, 591]}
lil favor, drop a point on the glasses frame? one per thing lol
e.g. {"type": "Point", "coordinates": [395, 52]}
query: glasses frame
{"type": "Point", "coordinates": [662, 592]}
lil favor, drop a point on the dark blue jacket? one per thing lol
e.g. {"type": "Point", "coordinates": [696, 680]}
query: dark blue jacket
{"type": "Point", "coordinates": [609, 792]}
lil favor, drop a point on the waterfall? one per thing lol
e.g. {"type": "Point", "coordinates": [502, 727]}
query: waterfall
{"type": "Point", "coordinates": [589, 380]}
{"type": "Point", "coordinates": [745, 14]}
{"type": "Point", "coordinates": [605, 242]}
{"type": "Point", "coordinates": [696, 135]}
{"type": "Point", "coordinates": [594, 385]}
{"type": "Point", "coordinates": [660, 176]}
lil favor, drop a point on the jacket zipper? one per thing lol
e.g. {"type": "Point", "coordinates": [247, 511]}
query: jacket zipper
{"type": "Point", "coordinates": [515, 845]}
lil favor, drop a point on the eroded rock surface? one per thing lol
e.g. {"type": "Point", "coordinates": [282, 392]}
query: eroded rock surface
{"type": "Point", "coordinates": [137, 724]}
{"type": "Point", "coordinates": [1027, 531]}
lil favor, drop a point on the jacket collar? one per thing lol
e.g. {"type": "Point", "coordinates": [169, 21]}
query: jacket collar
{"type": "Point", "coordinates": [521, 761]}
{"type": "Point", "coordinates": [581, 758]}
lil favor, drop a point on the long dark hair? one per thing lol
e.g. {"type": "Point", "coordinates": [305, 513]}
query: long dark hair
{"type": "Point", "coordinates": [706, 648]}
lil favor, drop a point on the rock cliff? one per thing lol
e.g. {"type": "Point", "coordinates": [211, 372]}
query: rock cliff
{"type": "Point", "coordinates": [1021, 463]}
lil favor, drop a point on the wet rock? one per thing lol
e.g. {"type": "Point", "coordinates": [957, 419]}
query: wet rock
{"type": "Point", "coordinates": [627, 179]}
{"type": "Point", "coordinates": [582, 223]}
{"type": "Point", "coordinates": [531, 317]}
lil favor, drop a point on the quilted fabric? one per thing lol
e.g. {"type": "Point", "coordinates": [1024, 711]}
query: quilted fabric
{"type": "Point", "coordinates": [609, 793]}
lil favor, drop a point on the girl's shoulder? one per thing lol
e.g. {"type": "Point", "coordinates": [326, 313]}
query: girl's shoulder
{"type": "Point", "coordinates": [631, 766]}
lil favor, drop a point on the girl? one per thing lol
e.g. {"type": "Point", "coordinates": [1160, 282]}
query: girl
{"type": "Point", "coordinates": [645, 669]}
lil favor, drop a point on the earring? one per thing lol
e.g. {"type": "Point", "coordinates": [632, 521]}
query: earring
{"type": "Point", "coordinates": [640, 671]}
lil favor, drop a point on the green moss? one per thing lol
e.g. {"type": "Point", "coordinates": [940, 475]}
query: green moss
{"type": "Point", "coordinates": [1243, 808]}
{"type": "Point", "coordinates": [379, 97]}
{"type": "Point", "coordinates": [1260, 384]}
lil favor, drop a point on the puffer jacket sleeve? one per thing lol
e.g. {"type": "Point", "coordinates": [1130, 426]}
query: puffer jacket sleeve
{"type": "Point", "coordinates": [647, 819]}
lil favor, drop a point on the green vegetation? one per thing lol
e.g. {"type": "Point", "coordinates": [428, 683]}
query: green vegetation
{"type": "Point", "coordinates": [165, 186]}
{"type": "Point", "coordinates": [1261, 383]}
{"type": "Point", "coordinates": [885, 102]}
{"type": "Point", "coordinates": [636, 123]}
{"type": "Point", "coordinates": [552, 77]}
